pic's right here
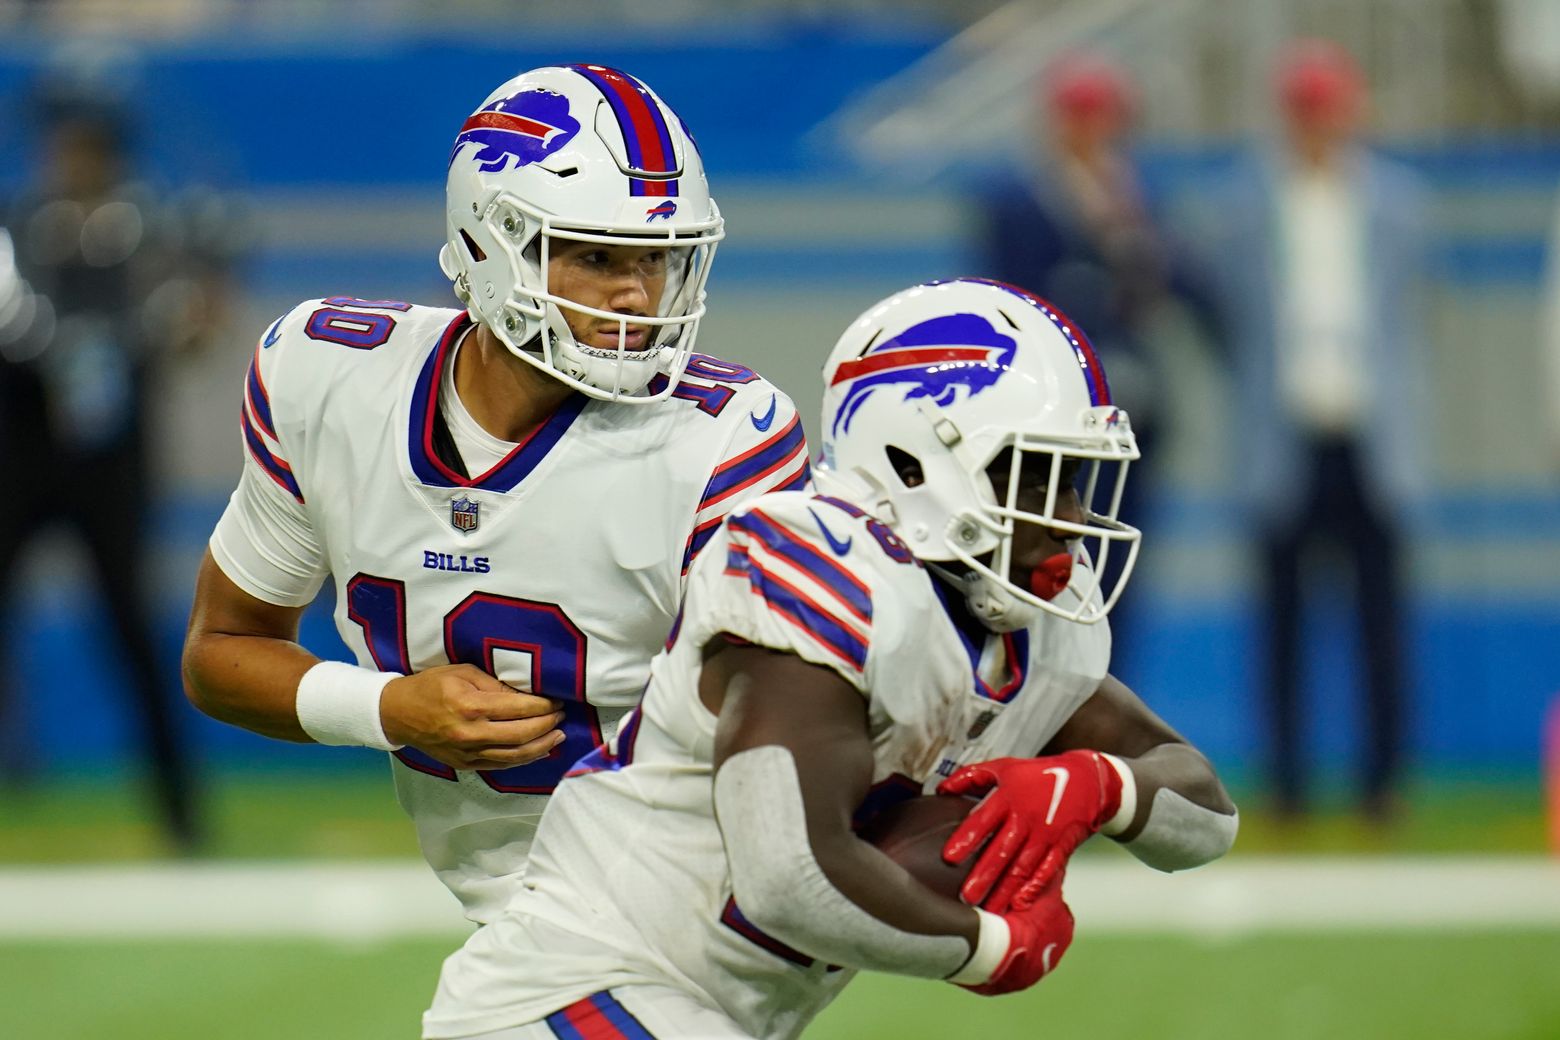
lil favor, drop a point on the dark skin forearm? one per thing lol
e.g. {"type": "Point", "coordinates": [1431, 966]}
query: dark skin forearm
{"type": "Point", "coordinates": [1117, 721]}
{"type": "Point", "coordinates": [768, 698]}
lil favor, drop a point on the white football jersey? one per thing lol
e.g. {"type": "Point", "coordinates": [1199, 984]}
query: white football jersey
{"type": "Point", "coordinates": [628, 878]}
{"type": "Point", "coordinates": [558, 570]}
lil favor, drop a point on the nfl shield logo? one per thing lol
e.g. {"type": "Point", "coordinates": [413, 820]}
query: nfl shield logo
{"type": "Point", "coordinates": [463, 514]}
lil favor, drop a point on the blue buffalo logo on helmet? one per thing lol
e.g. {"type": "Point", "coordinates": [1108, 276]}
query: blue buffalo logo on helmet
{"type": "Point", "coordinates": [528, 126]}
{"type": "Point", "coordinates": [935, 359]}
{"type": "Point", "coordinates": [664, 210]}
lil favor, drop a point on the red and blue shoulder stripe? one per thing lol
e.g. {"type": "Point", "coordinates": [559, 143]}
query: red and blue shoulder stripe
{"type": "Point", "coordinates": [801, 609]}
{"type": "Point", "coordinates": [259, 429]}
{"type": "Point", "coordinates": [845, 587]}
{"type": "Point", "coordinates": [778, 463]}
{"type": "Point", "coordinates": [785, 447]}
{"type": "Point", "coordinates": [801, 584]}
{"type": "Point", "coordinates": [597, 1017]}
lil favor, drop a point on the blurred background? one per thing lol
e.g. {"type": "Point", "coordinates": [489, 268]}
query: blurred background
{"type": "Point", "coordinates": [190, 879]}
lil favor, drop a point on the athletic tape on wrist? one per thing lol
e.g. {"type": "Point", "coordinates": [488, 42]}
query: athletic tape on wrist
{"type": "Point", "coordinates": [990, 951]}
{"type": "Point", "coordinates": [1123, 818]}
{"type": "Point", "coordinates": [338, 704]}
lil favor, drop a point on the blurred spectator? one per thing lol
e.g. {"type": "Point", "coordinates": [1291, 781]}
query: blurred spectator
{"type": "Point", "coordinates": [1322, 261]}
{"type": "Point", "coordinates": [1076, 227]}
{"type": "Point", "coordinates": [97, 276]}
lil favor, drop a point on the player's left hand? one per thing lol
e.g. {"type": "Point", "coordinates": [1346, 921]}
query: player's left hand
{"type": "Point", "coordinates": [1037, 812]}
{"type": "Point", "coordinates": [1040, 929]}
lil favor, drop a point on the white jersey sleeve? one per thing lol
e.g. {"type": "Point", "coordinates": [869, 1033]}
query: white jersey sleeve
{"type": "Point", "coordinates": [265, 541]}
{"type": "Point", "coordinates": [798, 573]}
{"type": "Point", "coordinates": [766, 450]}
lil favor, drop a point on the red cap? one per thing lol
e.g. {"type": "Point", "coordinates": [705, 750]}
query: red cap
{"type": "Point", "coordinates": [1085, 84]}
{"type": "Point", "coordinates": [1319, 77]}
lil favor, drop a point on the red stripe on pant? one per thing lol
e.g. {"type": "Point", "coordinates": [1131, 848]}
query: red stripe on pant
{"type": "Point", "coordinates": [592, 1023]}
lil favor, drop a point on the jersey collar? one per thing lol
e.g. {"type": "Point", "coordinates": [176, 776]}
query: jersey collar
{"type": "Point", "coordinates": [509, 471]}
{"type": "Point", "coordinates": [1015, 646]}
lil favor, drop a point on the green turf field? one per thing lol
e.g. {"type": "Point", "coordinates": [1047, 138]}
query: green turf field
{"type": "Point", "coordinates": [1453, 985]}
{"type": "Point", "coordinates": [354, 815]}
{"type": "Point", "coordinates": [1423, 985]}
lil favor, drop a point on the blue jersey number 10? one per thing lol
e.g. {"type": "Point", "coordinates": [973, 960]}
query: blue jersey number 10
{"type": "Point", "coordinates": [474, 631]}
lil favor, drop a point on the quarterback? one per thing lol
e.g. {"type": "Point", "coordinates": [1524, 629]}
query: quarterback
{"type": "Point", "coordinates": [505, 497]}
{"type": "Point", "coordinates": [928, 617]}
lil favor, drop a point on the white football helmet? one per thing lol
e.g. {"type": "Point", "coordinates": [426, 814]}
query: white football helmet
{"type": "Point", "coordinates": [951, 374]}
{"type": "Point", "coordinates": [588, 154]}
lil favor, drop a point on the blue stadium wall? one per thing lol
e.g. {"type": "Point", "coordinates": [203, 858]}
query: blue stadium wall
{"type": "Point", "coordinates": [341, 145]}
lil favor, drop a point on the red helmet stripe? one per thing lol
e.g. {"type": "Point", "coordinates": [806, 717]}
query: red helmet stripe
{"type": "Point", "coordinates": [505, 121]}
{"type": "Point", "coordinates": [644, 129]}
{"type": "Point", "coordinates": [919, 357]}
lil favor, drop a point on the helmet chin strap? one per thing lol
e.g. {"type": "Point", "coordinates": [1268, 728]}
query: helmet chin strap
{"type": "Point", "coordinates": [992, 605]}
{"type": "Point", "coordinates": [996, 607]}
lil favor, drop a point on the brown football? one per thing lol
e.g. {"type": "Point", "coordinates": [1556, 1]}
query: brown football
{"type": "Point", "coordinates": [912, 833]}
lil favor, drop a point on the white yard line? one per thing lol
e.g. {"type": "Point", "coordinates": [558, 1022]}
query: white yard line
{"type": "Point", "coordinates": [370, 901]}
{"type": "Point", "coordinates": [1320, 894]}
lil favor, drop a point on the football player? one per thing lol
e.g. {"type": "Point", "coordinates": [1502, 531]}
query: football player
{"type": "Point", "coordinates": [928, 618]}
{"type": "Point", "coordinates": [506, 497]}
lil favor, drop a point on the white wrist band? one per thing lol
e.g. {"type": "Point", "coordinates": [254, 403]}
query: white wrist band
{"type": "Point", "coordinates": [1124, 815]}
{"type": "Point", "coordinates": [990, 950]}
{"type": "Point", "coordinates": [338, 704]}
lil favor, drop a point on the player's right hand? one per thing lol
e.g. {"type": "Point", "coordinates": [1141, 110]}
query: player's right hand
{"type": "Point", "coordinates": [1041, 930]}
{"type": "Point", "coordinates": [1035, 812]}
{"type": "Point", "coordinates": [465, 718]}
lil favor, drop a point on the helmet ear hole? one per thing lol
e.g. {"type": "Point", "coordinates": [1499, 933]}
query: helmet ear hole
{"type": "Point", "coordinates": [472, 249]}
{"type": "Point", "coordinates": [906, 466]}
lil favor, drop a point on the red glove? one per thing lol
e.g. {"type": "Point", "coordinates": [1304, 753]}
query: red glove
{"type": "Point", "coordinates": [1039, 933]}
{"type": "Point", "coordinates": [1040, 811]}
